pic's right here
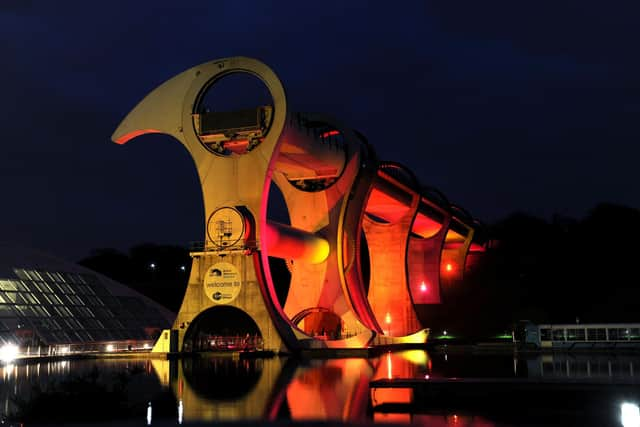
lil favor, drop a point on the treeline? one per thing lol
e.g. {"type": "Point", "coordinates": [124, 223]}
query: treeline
{"type": "Point", "coordinates": [158, 271]}
{"type": "Point", "coordinates": [558, 270]}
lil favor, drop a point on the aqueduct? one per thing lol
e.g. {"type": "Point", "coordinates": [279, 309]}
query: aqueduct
{"type": "Point", "coordinates": [365, 245]}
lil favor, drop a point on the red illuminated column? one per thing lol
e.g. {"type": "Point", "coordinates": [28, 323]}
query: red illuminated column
{"type": "Point", "coordinates": [387, 228]}
{"type": "Point", "coordinates": [424, 268]}
{"type": "Point", "coordinates": [454, 253]}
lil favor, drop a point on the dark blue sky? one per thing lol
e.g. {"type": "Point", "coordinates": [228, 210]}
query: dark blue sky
{"type": "Point", "coordinates": [503, 106]}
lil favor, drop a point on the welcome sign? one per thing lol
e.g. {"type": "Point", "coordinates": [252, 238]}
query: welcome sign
{"type": "Point", "coordinates": [222, 283]}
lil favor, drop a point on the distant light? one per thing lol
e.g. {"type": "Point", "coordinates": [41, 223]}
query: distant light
{"type": "Point", "coordinates": [149, 414]}
{"type": "Point", "coordinates": [110, 347]}
{"type": "Point", "coordinates": [180, 412]}
{"type": "Point", "coordinates": [183, 268]}
{"type": "Point", "coordinates": [423, 287]}
{"type": "Point", "coordinates": [330, 133]}
{"type": "Point", "coordinates": [8, 353]}
{"type": "Point", "coordinates": [152, 265]}
{"type": "Point", "coordinates": [444, 332]}
{"type": "Point", "coordinates": [387, 318]}
{"type": "Point", "coordinates": [629, 414]}
{"type": "Point", "coordinates": [449, 267]}
{"type": "Point", "coordinates": [426, 377]}
{"type": "Point", "coordinates": [146, 346]}
{"type": "Point", "coordinates": [64, 350]}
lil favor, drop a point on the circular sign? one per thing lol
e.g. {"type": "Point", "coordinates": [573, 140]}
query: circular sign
{"type": "Point", "coordinates": [225, 227]}
{"type": "Point", "coordinates": [222, 283]}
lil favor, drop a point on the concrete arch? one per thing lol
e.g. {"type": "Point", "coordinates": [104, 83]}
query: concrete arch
{"type": "Point", "coordinates": [233, 323]}
{"type": "Point", "coordinates": [425, 247]}
{"type": "Point", "coordinates": [396, 203]}
{"type": "Point", "coordinates": [456, 245]}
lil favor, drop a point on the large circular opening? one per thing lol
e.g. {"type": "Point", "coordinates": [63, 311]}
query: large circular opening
{"type": "Point", "coordinates": [223, 328]}
{"type": "Point", "coordinates": [233, 114]}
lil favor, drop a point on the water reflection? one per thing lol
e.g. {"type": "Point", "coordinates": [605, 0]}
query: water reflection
{"type": "Point", "coordinates": [584, 366]}
{"type": "Point", "coordinates": [211, 389]}
{"type": "Point", "coordinates": [330, 390]}
{"type": "Point", "coordinates": [58, 391]}
{"type": "Point", "coordinates": [352, 390]}
{"type": "Point", "coordinates": [629, 415]}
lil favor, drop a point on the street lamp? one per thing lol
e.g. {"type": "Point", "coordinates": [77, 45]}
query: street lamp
{"type": "Point", "coordinates": [387, 320]}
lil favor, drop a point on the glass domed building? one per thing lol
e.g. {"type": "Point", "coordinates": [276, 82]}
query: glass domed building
{"type": "Point", "coordinates": [52, 305]}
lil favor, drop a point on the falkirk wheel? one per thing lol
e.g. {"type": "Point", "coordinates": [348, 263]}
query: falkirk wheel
{"type": "Point", "coordinates": [366, 245]}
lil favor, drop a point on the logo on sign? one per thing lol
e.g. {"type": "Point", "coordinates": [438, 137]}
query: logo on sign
{"type": "Point", "coordinates": [222, 283]}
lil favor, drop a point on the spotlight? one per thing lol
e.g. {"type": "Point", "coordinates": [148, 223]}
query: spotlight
{"type": "Point", "coordinates": [629, 415]}
{"type": "Point", "coordinates": [8, 353]}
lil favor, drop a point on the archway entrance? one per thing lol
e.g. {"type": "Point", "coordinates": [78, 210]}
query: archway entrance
{"type": "Point", "coordinates": [223, 328]}
{"type": "Point", "coordinates": [320, 323]}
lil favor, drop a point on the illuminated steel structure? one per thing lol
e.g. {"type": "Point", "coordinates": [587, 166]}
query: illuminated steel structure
{"type": "Point", "coordinates": [339, 197]}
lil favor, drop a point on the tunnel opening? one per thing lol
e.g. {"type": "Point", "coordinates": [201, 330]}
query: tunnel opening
{"type": "Point", "coordinates": [233, 113]}
{"type": "Point", "coordinates": [222, 328]}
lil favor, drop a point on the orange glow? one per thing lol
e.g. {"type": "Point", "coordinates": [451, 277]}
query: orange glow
{"type": "Point", "coordinates": [388, 205]}
{"type": "Point", "coordinates": [449, 267]}
{"type": "Point", "coordinates": [475, 247]}
{"type": "Point", "coordinates": [391, 418]}
{"type": "Point", "coordinates": [387, 318]}
{"type": "Point", "coordinates": [383, 395]}
{"type": "Point", "coordinates": [425, 226]}
{"type": "Point", "coordinates": [453, 236]}
{"type": "Point", "coordinates": [284, 241]}
{"type": "Point", "coordinates": [330, 391]}
{"type": "Point", "coordinates": [136, 133]}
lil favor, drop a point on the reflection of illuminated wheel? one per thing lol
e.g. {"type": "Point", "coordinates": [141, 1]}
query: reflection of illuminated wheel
{"type": "Point", "coordinates": [225, 227]}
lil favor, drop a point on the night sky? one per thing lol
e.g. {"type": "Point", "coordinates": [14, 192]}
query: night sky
{"type": "Point", "coordinates": [503, 106]}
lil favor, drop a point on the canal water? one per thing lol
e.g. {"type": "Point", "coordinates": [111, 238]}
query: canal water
{"type": "Point", "coordinates": [453, 388]}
